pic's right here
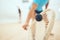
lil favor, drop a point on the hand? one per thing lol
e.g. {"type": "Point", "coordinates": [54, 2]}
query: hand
{"type": "Point", "coordinates": [45, 18]}
{"type": "Point", "coordinates": [25, 26]}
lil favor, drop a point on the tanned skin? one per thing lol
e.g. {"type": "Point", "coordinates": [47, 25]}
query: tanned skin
{"type": "Point", "coordinates": [32, 14]}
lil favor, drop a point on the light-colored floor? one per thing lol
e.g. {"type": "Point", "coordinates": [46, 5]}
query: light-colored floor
{"type": "Point", "coordinates": [14, 31]}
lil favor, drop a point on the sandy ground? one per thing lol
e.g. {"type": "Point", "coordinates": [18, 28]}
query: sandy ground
{"type": "Point", "coordinates": [14, 31]}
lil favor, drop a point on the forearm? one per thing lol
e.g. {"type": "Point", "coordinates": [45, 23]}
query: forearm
{"type": "Point", "coordinates": [46, 5]}
{"type": "Point", "coordinates": [31, 13]}
{"type": "Point", "coordinates": [28, 17]}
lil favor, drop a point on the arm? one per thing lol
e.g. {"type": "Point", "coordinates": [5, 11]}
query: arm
{"type": "Point", "coordinates": [46, 5]}
{"type": "Point", "coordinates": [30, 15]}
{"type": "Point", "coordinates": [45, 16]}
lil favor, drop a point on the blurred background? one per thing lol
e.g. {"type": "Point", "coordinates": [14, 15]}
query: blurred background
{"type": "Point", "coordinates": [9, 18]}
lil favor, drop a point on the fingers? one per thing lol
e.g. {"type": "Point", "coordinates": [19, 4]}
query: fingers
{"type": "Point", "coordinates": [25, 27]}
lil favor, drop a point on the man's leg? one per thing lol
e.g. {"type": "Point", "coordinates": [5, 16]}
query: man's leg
{"type": "Point", "coordinates": [33, 26]}
{"type": "Point", "coordinates": [33, 30]}
{"type": "Point", "coordinates": [45, 19]}
{"type": "Point", "coordinates": [46, 22]}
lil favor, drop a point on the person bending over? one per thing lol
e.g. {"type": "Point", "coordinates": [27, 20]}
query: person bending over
{"type": "Point", "coordinates": [35, 12]}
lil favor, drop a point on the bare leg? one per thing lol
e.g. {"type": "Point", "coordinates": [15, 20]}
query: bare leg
{"type": "Point", "coordinates": [45, 20]}
{"type": "Point", "coordinates": [33, 30]}
{"type": "Point", "coordinates": [33, 27]}
{"type": "Point", "coordinates": [50, 26]}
